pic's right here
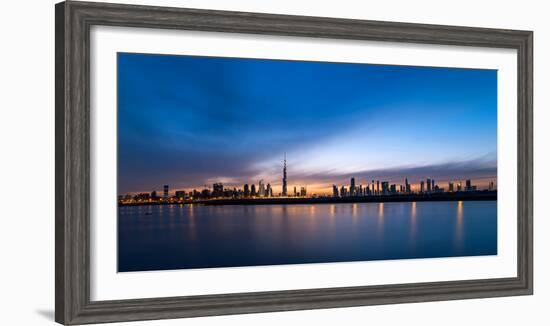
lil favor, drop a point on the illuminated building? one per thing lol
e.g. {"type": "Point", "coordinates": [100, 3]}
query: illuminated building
{"type": "Point", "coordinates": [284, 178]}
{"type": "Point", "coordinates": [303, 192]}
{"type": "Point", "coordinates": [422, 186]}
{"type": "Point", "coordinates": [352, 187]}
{"type": "Point", "coordinates": [180, 194]}
{"type": "Point", "coordinates": [407, 186]}
{"type": "Point", "coordinates": [261, 188]}
{"type": "Point", "coordinates": [451, 187]}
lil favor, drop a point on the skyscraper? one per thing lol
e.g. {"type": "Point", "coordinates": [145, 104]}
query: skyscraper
{"type": "Point", "coordinates": [468, 185]}
{"type": "Point", "coordinates": [422, 186]}
{"type": "Point", "coordinates": [385, 187]}
{"type": "Point", "coordinates": [407, 186]}
{"type": "Point", "coordinates": [253, 190]}
{"type": "Point", "coordinates": [261, 188]}
{"type": "Point", "coordinates": [433, 185]}
{"type": "Point", "coordinates": [429, 184]}
{"type": "Point", "coordinates": [269, 191]}
{"type": "Point", "coordinates": [246, 190]}
{"type": "Point", "coordinates": [284, 177]}
{"type": "Point", "coordinates": [352, 187]}
{"type": "Point", "coordinates": [165, 193]}
{"type": "Point", "coordinates": [334, 191]}
{"type": "Point", "coordinates": [451, 187]}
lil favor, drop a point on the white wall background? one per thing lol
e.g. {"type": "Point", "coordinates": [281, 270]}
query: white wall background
{"type": "Point", "coordinates": [27, 161]}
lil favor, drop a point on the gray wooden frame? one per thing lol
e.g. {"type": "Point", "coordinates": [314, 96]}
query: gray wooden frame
{"type": "Point", "coordinates": [72, 183]}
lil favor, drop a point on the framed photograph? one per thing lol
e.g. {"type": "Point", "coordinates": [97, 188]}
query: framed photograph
{"type": "Point", "coordinates": [215, 162]}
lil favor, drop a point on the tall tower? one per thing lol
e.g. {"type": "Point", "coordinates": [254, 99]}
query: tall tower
{"type": "Point", "coordinates": [284, 177]}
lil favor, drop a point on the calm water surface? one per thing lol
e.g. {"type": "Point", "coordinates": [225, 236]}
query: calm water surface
{"type": "Point", "coordinates": [175, 237]}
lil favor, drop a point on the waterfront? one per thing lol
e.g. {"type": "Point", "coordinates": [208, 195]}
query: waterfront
{"type": "Point", "coordinates": [162, 237]}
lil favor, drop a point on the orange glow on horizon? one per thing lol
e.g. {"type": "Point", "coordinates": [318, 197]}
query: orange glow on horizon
{"type": "Point", "coordinates": [325, 189]}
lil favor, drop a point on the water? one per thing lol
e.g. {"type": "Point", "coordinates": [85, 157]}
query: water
{"type": "Point", "coordinates": [176, 237]}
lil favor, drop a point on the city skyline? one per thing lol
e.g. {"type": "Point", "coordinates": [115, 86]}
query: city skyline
{"type": "Point", "coordinates": [372, 187]}
{"type": "Point", "coordinates": [485, 183]}
{"type": "Point", "coordinates": [180, 126]}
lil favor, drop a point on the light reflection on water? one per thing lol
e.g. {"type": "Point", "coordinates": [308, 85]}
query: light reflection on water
{"type": "Point", "coordinates": [191, 236]}
{"type": "Point", "coordinates": [459, 224]}
{"type": "Point", "coordinates": [412, 227]}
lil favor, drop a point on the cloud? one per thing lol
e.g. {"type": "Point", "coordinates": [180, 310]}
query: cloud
{"type": "Point", "coordinates": [187, 120]}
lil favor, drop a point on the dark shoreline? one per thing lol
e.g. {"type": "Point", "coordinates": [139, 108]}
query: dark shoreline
{"type": "Point", "coordinates": [455, 196]}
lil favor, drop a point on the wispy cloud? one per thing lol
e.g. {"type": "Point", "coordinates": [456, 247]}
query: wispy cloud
{"type": "Point", "coordinates": [187, 121]}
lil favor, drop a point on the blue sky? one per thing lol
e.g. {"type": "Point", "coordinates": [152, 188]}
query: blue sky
{"type": "Point", "coordinates": [187, 121]}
